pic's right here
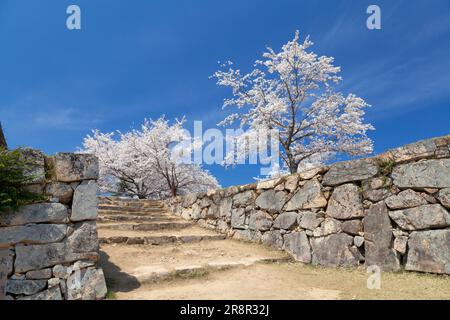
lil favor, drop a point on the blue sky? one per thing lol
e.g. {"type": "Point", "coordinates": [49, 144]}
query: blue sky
{"type": "Point", "coordinates": [140, 58]}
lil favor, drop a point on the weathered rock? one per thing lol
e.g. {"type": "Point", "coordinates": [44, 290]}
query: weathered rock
{"type": "Point", "coordinates": [345, 203]}
{"type": "Point", "coordinates": [400, 244]}
{"type": "Point", "coordinates": [260, 220]}
{"type": "Point", "coordinates": [377, 183]}
{"type": "Point", "coordinates": [53, 282]}
{"type": "Point", "coordinates": [271, 200]}
{"type": "Point", "coordinates": [356, 170]}
{"type": "Point", "coordinates": [50, 294]}
{"type": "Point", "coordinates": [424, 174]}
{"type": "Point", "coordinates": [34, 188]}
{"type": "Point", "coordinates": [204, 202]}
{"type": "Point", "coordinates": [60, 190]}
{"type": "Point", "coordinates": [36, 213]}
{"type": "Point", "coordinates": [71, 167]}
{"type": "Point", "coordinates": [378, 238]}
{"type": "Point", "coordinates": [423, 217]}
{"type": "Point", "coordinates": [429, 251]}
{"type": "Point", "coordinates": [248, 235]}
{"type": "Point", "coordinates": [307, 197]}
{"type": "Point", "coordinates": [238, 218]}
{"type": "Point", "coordinates": [81, 244]}
{"type": "Point", "coordinates": [268, 184]}
{"type": "Point", "coordinates": [26, 287]}
{"type": "Point", "coordinates": [327, 227]}
{"type": "Point", "coordinates": [61, 271]}
{"type": "Point", "coordinates": [273, 238]}
{"type": "Point", "coordinates": [334, 251]}
{"type": "Point", "coordinates": [353, 227]}
{"type": "Point", "coordinates": [244, 199]}
{"type": "Point", "coordinates": [225, 207]}
{"type": "Point", "coordinates": [189, 200]}
{"type": "Point", "coordinates": [405, 199]}
{"type": "Point", "coordinates": [411, 152]}
{"type": "Point", "coordinates": [286, 220]}
{"type": "Point", "coordinates": [35, 170]}
{"type": "Point", "coordinates": [376, 195]}
{"type": "Point", "coordinates": [39, 274]}
{"type": "Point", "coordinates": [358, 241]}
{"type": "Point", "coordinates": [33, 234]}
{"type": "Point", "coordinates": [7, 261]}
{"type": "Point", "coordinates": [85, 202]}
{"type": "Point", "coordinates": [311, 220]}
{"type": "Point", "coordinates": [291, 182]}
{"type": "Point", "coordinates": [297, 244]}
{"type": "Point", "coordinates": [311, 173]}
{"type": "Point", "coordinates": [87, 284]}
{"type": "Point", "coordinates": [430, 199]}
{"type": "Point", "coordinates": [84, 238]}
{"type": "Point", "coordinates": [444, 197]}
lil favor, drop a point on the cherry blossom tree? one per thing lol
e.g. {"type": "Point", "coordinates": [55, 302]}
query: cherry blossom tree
{"type": "Point", "coordinates": [293, 92]}
{"type": "Point", "coordinates": [148, 162]}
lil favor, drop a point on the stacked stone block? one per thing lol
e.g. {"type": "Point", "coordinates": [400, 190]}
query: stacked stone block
{"type": "Point", "coordinates": [391, 210]}
{"type": "Point", "coordinates": [51, 247]}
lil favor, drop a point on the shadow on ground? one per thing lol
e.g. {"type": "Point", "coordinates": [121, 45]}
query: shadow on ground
{"type": "Point", "coordinates": [117, 280]}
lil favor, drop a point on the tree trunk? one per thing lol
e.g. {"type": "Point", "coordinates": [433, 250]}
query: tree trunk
{"type": "Point", "coordinates": [2, 139]}
{"type": "Point", "coordinates": [173, 191]}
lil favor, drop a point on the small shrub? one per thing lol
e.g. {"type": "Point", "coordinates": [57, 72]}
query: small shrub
{"type": "Point", "coordinates": [13, 178]}
{"type": "Point", "coordinates": [386, 166]}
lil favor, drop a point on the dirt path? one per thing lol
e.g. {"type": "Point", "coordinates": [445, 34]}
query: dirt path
{"type": "Point", "coordinates": [147, 258]}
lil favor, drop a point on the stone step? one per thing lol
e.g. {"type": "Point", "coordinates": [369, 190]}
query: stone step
{"type": "Point", "coordinates": [160, 240]}
{"type": "Point", "coordinates": [130, 209]}
{"type": "Point", "coordinates": [145, 226]}
{"type": "Point", "coordinates": [136, 213]}
{"type": "Point", "coordinates": [154, 263]}
{"type": "Point", "coordinates": [193, 230]}
{"type": "Point", "coordinates": [133, 218]}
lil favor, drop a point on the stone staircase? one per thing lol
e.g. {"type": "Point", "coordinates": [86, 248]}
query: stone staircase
{"type": "Point", "coordinates": [142, 242]}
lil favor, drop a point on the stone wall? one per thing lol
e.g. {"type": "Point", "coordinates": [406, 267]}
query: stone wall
{"type": "Point", "coordinates": [391, 210]}
{"type": "Point", "coordinates": [49, 250]}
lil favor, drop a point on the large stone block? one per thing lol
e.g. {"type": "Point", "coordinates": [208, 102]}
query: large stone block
{"type": "Point", "coordinates": [378, 239]}
{"type": "Point", "coordinates": [423, 174]}
{"type": "Point", "coordinates": [85, 202]}
{"type": "Point", "coordinates": [50, 294]}
{"type": "Point", "coordinates": [32, 234]}
{"type": "Point", "coordinates": [271, 201]}
{"type": "Point", "coordinates": [353, 227]}
{"type": "Point", "coordinates": [307, 197]}
{"type": "Point", "coordinates": [260, 220]}
{"type": "Point", "coordinates": [82, 244]}
{"type": "Point", "coordinates": [225, 205]}
{"type": "Point", "coordinates": [334, 251]}
{"type": "Point", "coordinates": [36, 213]}
{"type": "Point", "coordinates": [444, 197]}
{"type": "Point", "coordinates": [311, 220]}
{"type": "Point", "coordinates": [238, 218]}
{"type": "Point", "coordinates": [26, 287]}
{"type": "Point", "coordinates": [244, 199]}
{"type": "Point", "coordinates": [327, 227]}
{"type": "Point", "coordinates": [345, 203]}
{"type": "Point", "coordinates": [297, 244]}
{"type": "Point", "coordinates": [429, 251]}
{"type": "Point", "coordinates": [286, 220]}
{"type": "Point", "coordinates": [405, 199]}
{"type": "Point", "coordinates": [35, 170]}
{"type": "Point", "coordinates": [70, 167]}
{"type": "Point", "coordinates": [86, 284]}
{"type": "Point", "coordinates": [424, 217]}
{"type": "Point", "coordinates": [60, 190]}
{"type": "Point", "coordinates": [412, 152]}
{"type": "Point", "coordinates": [273, 238]}
{"type": "Point", "coordinates": [355, 170]}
